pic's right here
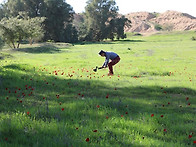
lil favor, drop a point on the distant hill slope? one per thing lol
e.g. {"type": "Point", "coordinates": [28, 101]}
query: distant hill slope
{"type": "Point", "coordinates": [144, 22]}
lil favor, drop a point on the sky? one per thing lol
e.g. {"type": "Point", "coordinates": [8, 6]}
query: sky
{"type": "Point", "coordinates": [128, 6]}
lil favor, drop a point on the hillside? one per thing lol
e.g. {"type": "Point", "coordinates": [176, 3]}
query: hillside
{"type": "Point", "coordinates": [151, 22]}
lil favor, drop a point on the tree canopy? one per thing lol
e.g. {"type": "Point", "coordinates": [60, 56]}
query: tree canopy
{"type": "Point", "coordinates": [102, 21]}
{"type": "Point", "coordinates": [97, 15]}
{"type": "Point", "coordinates": [58, 14]}
{"type": "Point", "coordinates": [16, 29]}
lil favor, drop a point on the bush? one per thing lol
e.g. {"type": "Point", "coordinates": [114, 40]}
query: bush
{"type": "Point", "coordinates": [158, 27]}
{"type": "Point", "coordinates": [168, 27]}
{"type": "Point", "coordinates": [1, 43]}
{"type": "Point", "coordinates": [137, 34]}
{"type": "Point", "coordinates": [193, 38]}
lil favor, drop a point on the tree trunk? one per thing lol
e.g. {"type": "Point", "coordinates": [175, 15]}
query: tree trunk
{"type": "Point", "coordinates": [13, 45]}
{"type": "Point", "coordinates": [30, 41]}
{"type": "Point", "coordinates": [18, 43]}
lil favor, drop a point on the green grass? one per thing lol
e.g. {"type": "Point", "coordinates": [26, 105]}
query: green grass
{"type": "Point", "coordinates": [51, 97]}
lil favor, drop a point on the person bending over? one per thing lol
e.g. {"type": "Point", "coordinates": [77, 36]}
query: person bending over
{"type": "Point", "coordinates": [109, 56]}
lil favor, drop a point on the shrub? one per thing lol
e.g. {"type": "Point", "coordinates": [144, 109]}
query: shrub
{"type": "Point", "coordinates": [137, 34]}
{"type": "Point", "coordinates": [158, 27]}
{"type": "Point", "coordinates": [193, 38]}
{"type": "Point", "coordinates": [155, 14]}
{"type": "Point", "coordinates": [168, 27]}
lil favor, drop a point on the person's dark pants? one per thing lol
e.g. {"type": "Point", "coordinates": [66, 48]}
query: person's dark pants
{"type": "Point", "coordinates": [112, 63]}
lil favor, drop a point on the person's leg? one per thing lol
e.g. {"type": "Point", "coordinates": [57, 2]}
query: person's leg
{"type": "Point", "coordinates": [110, 68]}
{"type": "Point", "coordinates": [112, 63]}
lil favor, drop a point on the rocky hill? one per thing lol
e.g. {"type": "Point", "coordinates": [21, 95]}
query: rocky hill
{"type": "Point", "coordinates": [144, 22]}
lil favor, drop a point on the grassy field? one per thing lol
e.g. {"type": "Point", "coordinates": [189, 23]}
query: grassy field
{"type": "Point", "coordinates": [51, 97]}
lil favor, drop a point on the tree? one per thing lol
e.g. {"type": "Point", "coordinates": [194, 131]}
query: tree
{"type": "Point", "coordinates": [16, 29]}
{"type": "Point", "coordinates": [33, 7]}
{"type": "Point", "coordinates": [33, 27]}
{"type": "Point", "coordinates": [80, 26]}
{"type": "Point", "coordinates": [58, 14]}
{"type": "Point", "coordinates": [12, 8]}
{"type": "Point", "coordinates": [82, 32]}
{"type": "Point", "coordinates": [97, 16]}
{"type": "Point", "coordinates": [11, 31]}
{"type": "Point", "coordinates": [102, 21]}
{"type": "Point", "coordinates": [116, 27]}
{"type": "Point", "coordinates": [70, 34]}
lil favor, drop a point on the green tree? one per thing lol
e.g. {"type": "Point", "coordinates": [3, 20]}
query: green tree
{"type": "Point", "coordinates": [12, 8]}
{"type": "Point", "coordinates": [33, 27]}
{"type": "Point", "coordinates": [11, 31]}
{"type": "Point", "coordinates": [70, 34]}
{"type": "Point", "coordinates": [97, 16]}
{"type": "Point", "coordinates": [33, 7]}
{"type": "Point", "coordinates": [115, 28]}
{"type": "Point", "coordinates": [81, 27]}
{"type": "Point", "coordinates": [58, 13]}
{"type": "Point", "coordinates": [120, 23]}
{"type": "Point", "coordinates": [16, 29]}
{"type": "Point", "coordinates": [82, 32]}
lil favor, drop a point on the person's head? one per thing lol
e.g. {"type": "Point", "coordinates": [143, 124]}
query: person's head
{"type": "Point", "coordinates": [102, 53]}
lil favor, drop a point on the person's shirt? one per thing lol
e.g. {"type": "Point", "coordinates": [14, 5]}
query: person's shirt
{"type": "Point", "coordinates": [109, 56]}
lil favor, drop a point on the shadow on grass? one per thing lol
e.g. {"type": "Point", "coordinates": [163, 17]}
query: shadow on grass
{"type": "Point", "coordinates": [41, 49]}
{"type": "Point", "coordinates": [4, 56]}
{"type": "Point", "coordinates": [110, 42]}
{"type": "Point", "coordinates": [46, 48]}
{"type": "Point", "coordinates": [83, 96]}
{"type": "Point", "coordinates": [21, 67]}
{"type": "Point", "coordinates": [144, 74]}
{"type": "Point", "coordinates": [129, 40]}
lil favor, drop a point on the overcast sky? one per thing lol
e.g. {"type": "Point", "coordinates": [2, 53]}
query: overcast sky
{"type": "Point", "coordinates": [127, 6]}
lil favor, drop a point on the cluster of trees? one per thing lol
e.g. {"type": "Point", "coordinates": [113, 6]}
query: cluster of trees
{"type": "Point", "coordinates": [45, 20]}
{"type": "Point", "coordinates": [16, 29]}
{"type": "Point", "coordinates": [102, 21]}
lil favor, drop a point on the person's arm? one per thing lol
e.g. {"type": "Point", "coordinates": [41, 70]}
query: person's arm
{"type": "Point", "coordinates": [100, 67]}
{"type": "Point", "coordinates": [105, 64]}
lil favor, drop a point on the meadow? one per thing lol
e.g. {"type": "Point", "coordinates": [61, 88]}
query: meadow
{"type": "Point", "coordinates": [50, 95]}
